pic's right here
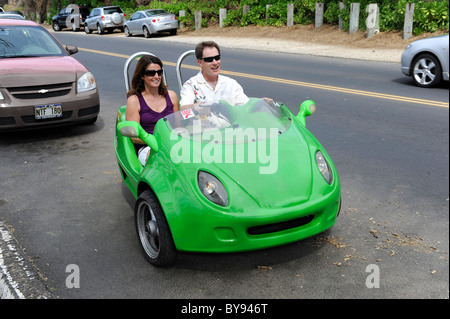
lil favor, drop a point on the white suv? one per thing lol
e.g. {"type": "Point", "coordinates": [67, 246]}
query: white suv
{"type": "Point", "coordinates": [105, 19]}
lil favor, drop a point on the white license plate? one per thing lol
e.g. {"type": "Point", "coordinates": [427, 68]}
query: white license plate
{"type": "Point", "coordinates": [47, 111]}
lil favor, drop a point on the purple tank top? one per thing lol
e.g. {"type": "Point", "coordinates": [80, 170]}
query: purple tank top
{"type": "Point", "coordinates": [150, 117]}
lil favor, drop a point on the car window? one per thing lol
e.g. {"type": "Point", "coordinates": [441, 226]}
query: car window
{"type": "Point", "coordinates": [27, 41]}
{"type": "Point", "coordinates": [136, 16]}
{"type": "Point", "coordinates": [150, 13]}
{"type": "Point", "coordinates": [112, 10]}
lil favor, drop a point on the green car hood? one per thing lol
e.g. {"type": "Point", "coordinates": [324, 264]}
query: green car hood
{"type": "Point", "coordinates": [281, 177]}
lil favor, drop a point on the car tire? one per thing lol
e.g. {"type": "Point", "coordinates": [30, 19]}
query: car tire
{"type": "Point", "coordinates": [99, 29]}
{"type": "Point", "coordinates": [153, 231]}
{"type": "Point", "coordinates": [173, 32]}
{"type": "Point", "coordinates": [87, 30]}
{"type": "Point", "coordinates": [426, 70]}
{"type": "Point", "coordinates": [56, 26]}
{"type": "Point", "coordinates": [147, 33]}
{"type": "Point", "coordinates": [74, 28]}
{"type": "Point", "coordinates": [127, 32]}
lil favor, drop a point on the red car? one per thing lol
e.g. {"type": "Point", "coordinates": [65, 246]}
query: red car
{"type": "Point", "coordinates": [40, 83]}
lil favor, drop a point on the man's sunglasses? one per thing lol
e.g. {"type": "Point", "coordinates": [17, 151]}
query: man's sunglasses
{"type": "Point", "coordinates": [153, 72]}
{"type": "Point", "coordinates": [211, 58]}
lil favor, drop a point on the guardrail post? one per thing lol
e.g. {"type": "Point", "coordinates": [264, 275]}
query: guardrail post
{"type": "Point", "coordinates": [245, 9]}
{"type": "Point", "coordinates": [319, 15]}
{"type": "Point", "coordinates": [267, 10]}
{"type": "Point", "coordinates": [290, 15]}
{"type": "Point", "coordinates": [373, 20]}
{"type": "Point", "coordinates": [198, 20]}
{"type": "Point", "coordinates": [222, 17]}
{"type": "Point", "coordinates": [181, 13]}
{"type": "Point", "coordinates": [354, 17]}
{"type": "Point", "coordinates": [341, 7]}
{"type": "Point", "coordinates": [408, 25]}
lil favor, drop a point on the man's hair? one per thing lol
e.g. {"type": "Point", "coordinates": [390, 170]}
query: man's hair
{"type": "Point", "coordinates": [205, 44]}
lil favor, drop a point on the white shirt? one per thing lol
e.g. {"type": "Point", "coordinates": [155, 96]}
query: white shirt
{"type": "Point", "coordinates": [197, 90]}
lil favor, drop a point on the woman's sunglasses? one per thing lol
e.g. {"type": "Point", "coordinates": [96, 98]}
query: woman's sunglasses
{"type": "Point", "coordinates": [211, 58]}
{"type": "Point", "coordinates": [153, 72]}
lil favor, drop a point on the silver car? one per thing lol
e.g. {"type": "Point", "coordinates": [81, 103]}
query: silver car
{"type": "Point", "coordinates": [148, 22]}
{"type": "Point", "coordinates": [427, 61]}
{"type": "Point", "coordinates": [104, 19]}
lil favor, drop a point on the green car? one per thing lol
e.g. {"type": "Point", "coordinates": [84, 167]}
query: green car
{"type": "Point", "coordinates": [225, 178]}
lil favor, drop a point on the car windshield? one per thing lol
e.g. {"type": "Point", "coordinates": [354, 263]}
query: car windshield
{"type": "Point", "coordinates": [27, 41]}
{"type": "Point", "coordinates": [150, 13]}
{"type": "Point", "coordinates": [258, 119]}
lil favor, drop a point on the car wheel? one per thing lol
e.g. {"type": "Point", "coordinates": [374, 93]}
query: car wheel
{"type": "Point", "coordinates": [87, 30]}
{"type": "Point", "coordinates": [153, 231]}
{"type": "Point", "coordinates": [99, 29]}
{"type": "Point", "coordinates": [127, 32]}
{"type": "Point", "coordinates": [173, 32]}
{"type": "Point", "coordinates": [426, 70]}
{"type": "Point", "coordinates": [74, 27]}
{"type": "Point", "coordinates": [146, 32]}
{"type": "Point", "coordinates": [56, 26]}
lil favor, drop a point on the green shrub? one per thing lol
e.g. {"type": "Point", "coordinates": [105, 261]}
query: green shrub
{"type": "Point", "coordinates": [429, 16]}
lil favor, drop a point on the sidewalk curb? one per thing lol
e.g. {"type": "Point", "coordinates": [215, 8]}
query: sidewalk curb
{"type": "Point", "coordinates": [18, 277]}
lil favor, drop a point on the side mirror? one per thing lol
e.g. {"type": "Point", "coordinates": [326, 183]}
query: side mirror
{"type": "Point", "coordinates": [307, 108]}
{"type": "Point", "coordinates": [135, 130]}
{"type": "Point", "coordinates": [71, 49]}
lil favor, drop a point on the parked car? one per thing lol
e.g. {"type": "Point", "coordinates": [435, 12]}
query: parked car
{"type": "Point", "coordinates": [41, 84]}
{"type": "Point", "coordinates": [427, 61]}
{"type": "Point", "coordinates": [105, 19]}
{"type": "Point", "coordinates": [72, 16]}
{"type": "Point", "coordinates": [152, 21]}
{"type": "Point", "coordinates": [7, 15]}
{"type": "Point", "coordinates": [208, 186]}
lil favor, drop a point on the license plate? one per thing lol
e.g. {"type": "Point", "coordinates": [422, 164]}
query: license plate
{"type": "Point", "coordinates": [47, 111]}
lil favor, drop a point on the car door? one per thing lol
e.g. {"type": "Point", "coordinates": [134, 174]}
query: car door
{"type": "Point", "coordinates": [90, 21]}
{"type": "Point", "coordinates": [135, 23]}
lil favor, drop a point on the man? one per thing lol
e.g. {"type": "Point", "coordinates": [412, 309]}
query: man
{"type": "Point", "coordinates": [208, 86]}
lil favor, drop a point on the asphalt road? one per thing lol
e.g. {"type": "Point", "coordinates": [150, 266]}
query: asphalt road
{"type": "Point", "coordinates": [62, 194]}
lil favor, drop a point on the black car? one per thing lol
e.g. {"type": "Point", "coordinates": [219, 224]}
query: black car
{"type": "Point", "coordinates": [72, 17]}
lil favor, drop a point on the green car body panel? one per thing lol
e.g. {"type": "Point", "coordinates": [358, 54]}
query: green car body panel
{"type": "Point", "coordinates": [269, 202]}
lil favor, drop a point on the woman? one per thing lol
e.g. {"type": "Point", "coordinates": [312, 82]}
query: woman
{"type": "Point", "coordinates": [149, 100]}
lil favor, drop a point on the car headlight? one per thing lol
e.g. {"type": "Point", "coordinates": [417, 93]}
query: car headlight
{"type": "Point", "coordinates": [212, 188]}
{"type": "Point", "coordinates": [86, 82]}
{"type": "Point", "coordinates": [324, 168]}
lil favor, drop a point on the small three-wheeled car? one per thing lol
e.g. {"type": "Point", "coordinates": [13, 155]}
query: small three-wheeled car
{"type": "Point", "coordinates": [227, 178]}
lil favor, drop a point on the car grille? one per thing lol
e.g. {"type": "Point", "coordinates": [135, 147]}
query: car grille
{"type": "Point", "coordinates": [41, 91]}
{"type": "Point", "coordinates": [7, 120]}
{"type": "Point", "coordinates": [32, 119]}
{"type": "Point", "coordinates": [271, 228]}
{"type": "Point", "coordinates": [89, 111]}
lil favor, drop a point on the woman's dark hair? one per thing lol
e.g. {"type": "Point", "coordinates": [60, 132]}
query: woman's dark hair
{"type": "Point", "coordinates": [137, 83]}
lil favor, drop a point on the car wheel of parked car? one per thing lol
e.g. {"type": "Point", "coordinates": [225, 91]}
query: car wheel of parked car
{"type": "Point", "coordinates": [146, 32]}
{"type": "Point", "coordinates": [87, 30]}
{"type": "Point", "coordinates": [153, 231]}
{"type": "Point", "coordinates": [74, 27]}
{"type": "Point", "coordinates": [99, 29]}
{"type": "Point", "coordinates": [173, 32]}
{"type": "Point", "coordinates": [56, 26]}
{"type": "Point", "coordinates": [127, 32]}
{"type": "Point", "coordinates": [426, 70]}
